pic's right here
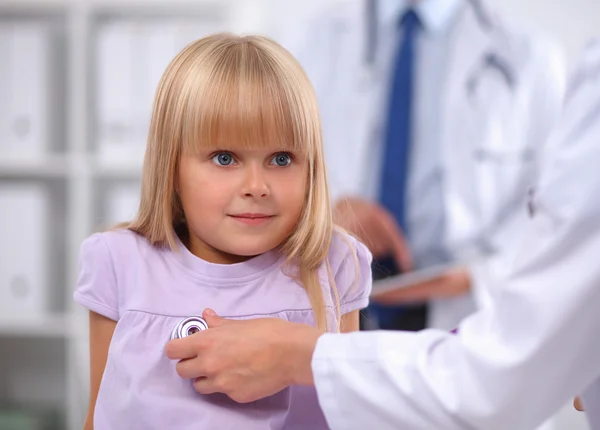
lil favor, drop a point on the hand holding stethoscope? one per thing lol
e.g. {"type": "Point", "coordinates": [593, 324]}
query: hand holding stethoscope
{"type": "Point", "coordinates": [243, 358]}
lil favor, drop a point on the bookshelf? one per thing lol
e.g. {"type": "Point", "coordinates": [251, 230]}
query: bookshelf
{"type": "Point", "coordinates": [83, 151]}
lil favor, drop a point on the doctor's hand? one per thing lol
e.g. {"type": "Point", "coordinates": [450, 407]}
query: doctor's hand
{"type": "Point", "coordinates": [454, 283]}
{"type": "Point", "coordinates": [247, 360]}
{"type": "Point", "coordinates": [375, 227]}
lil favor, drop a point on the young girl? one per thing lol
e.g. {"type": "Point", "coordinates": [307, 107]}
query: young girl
{"type": "Point", "coordinates": [234, 215]}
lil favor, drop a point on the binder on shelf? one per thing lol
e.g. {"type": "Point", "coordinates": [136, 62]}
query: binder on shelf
{"type": "Point", "coordinates": [132, 56]}
{"type": "Point", "coordinates": [25, 286]}
{"type": "Point", "coordinates": [25, 70]}
{"type": "Point", "coordinates": [158, 44]}
{"type": "Point", "coordinates": [116, 57]}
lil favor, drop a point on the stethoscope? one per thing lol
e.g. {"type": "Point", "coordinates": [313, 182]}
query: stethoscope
{"type": "Point", "coordinates": [490, 61]}
{"type": "Point", "coordinates": [188, 326]}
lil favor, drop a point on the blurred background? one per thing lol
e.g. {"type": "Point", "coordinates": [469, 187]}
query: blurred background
{"type": "Point", "coordinates": [77, 80]}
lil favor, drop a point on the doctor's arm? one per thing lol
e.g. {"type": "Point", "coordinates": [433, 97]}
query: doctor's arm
{"type": "Point", "coordinates": [515, 362]}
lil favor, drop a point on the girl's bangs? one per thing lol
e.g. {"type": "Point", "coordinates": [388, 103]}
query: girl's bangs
{"type": "Point", "coordinates": [248, 105]}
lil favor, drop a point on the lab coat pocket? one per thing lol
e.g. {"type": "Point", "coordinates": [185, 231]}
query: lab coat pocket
{"type": "Point", "coordinates": [504, 179]}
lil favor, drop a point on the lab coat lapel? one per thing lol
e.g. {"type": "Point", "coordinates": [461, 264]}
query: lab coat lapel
{"type": "Point", "coordinates": [359, 83]}
{"type": "Point", "coordinates": [342, 100]}
{"type": "Point", "coordinates": [463, 128]}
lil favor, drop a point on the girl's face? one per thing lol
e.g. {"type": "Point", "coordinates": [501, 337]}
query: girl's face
{"type": "Point", "coordinates": [241, 202]}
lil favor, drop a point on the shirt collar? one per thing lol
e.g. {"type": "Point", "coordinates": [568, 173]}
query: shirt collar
{"type": "Point", "coordinates": [434, 14]}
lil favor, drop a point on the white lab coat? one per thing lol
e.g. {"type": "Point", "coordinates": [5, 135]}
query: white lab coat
{"type": "Point", "coordinates": [491, 137]}
{"type": "Point", "coordinates": [591, 402]}
{"type": "Point", "coordinates": [532, 349]}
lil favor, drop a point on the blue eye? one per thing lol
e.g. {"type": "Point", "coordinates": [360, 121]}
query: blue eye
{"type": "Point", "coordinates": [223, 159]}
{"type": "Point", "coordinates": [282, 159]}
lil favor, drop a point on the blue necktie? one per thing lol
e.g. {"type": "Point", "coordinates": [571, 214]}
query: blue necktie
{"type": "Point", "coordinates": [398, 134]}
{"type": "Point", "coordinates": [397, 151]}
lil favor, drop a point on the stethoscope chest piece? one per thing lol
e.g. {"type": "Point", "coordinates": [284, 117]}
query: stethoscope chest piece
{"type": "Point", "coordinates": [188, 327]}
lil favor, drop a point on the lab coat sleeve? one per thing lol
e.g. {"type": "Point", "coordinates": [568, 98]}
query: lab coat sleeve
{"type": "Point", "coordinates": [518, 360]}
{"type": "Point", "coordinates": [546, 76]}
{"type": "Point", "coordinates": [591, 400]}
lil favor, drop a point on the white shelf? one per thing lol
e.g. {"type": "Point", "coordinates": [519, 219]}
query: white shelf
{"type": "Point", "coordinates": [101, 9]}
{"type": "Point", "coordinates": [84, 179]}
{"type": "Point", "coordinates": [34, 166]}
{"type": "Point", "coordinates": [34, 6]}
{"type": "Point", "coordinates": [120, 167]}
{"type": "Point", "coordinates": [141, 4]}
{"type": "Point", "coordinates": [35, 325]}
{"type": "Point", "coordinates": [116, 7]}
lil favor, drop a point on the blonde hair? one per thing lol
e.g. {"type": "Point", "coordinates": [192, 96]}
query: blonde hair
{"type": "Point", "coordinates": [248, 90]}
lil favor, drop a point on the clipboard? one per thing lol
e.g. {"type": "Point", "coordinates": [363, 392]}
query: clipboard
{"type": "Point", "coordinates": [405, 280]}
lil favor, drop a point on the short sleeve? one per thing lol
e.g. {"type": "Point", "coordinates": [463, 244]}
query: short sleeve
{"type": "Point", "coordinates": [96, 285]}
{"type": "Point", "coordinates": [351, 266]}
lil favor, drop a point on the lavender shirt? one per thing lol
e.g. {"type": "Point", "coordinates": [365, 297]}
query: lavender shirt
{"type": "Point", "coordinates": [148, 291]}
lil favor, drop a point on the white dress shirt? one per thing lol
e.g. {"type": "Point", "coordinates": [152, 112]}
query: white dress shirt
{"type": "Point", "coordinates": [425, 207]}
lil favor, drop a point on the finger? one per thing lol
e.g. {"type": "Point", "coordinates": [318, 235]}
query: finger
{"type": "Point", "coordinates": [358, 221]}
{"type": "Point", "coordinates": [190, 368]}
{"type": "Point", "coordinates": [376, 242]}
{"type": "Point", "coordinates": [457, 281]}
{"type": "Point", "coordinates": [205, 386]}
{"type": "Point", "coordinates": [363, 229]}
{"type": "Point", "coordinates": [396, 240]}
{"type": "Point", "coordinates": [444, 286]}
{"type": "Point", "coordinates": [179, 349]}
{"type": "Point", "coordinates": [417, 293]}
{"type": "Point", "coordinates": [377, 238]}
{"type": "Point", "coordinates": [578, 404]}
{"type": "Point", "coordinates": [212, 319]}
{"type": "Point", "coordinates": [403, 255]}
{"type": "Point", "coordinates": [346, 217]}
{"type": "Point", "coordinates": [401, 250]}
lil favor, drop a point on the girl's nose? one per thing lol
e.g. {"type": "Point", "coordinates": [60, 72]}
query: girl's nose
{"type": "Point", "coordinates": [255, 184]}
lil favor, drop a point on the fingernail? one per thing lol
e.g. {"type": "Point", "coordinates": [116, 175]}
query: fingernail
{"type": "Point", "coordinates": [210, 313]}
